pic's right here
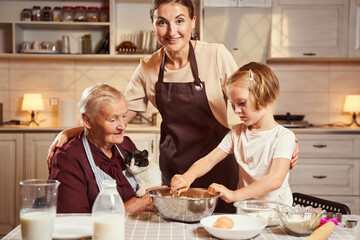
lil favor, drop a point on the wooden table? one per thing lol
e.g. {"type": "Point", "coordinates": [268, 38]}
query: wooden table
{"type": "Point", "coordinates": [151, 226]}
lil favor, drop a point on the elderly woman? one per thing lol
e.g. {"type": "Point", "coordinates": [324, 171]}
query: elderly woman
{"type": "Point", "coordinates": [96, 154]}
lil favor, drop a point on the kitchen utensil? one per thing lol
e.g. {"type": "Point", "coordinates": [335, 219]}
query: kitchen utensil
{"type": "Point", "coordinates": [259, 208]}
{"type": "Point", "coordinates": [350, 223]}
{"type": "Point", "coordinates": [65, 45]}
{"type": "Point", "coordinates": [36, 45]}
{"type": "Point", "coordinates": [245, 227]}
{"type": "Point", "coordinates": [323, 232]}
{"type": "Point", "coordinates": [190, 206]}
{"type": "Point", "coordinates": [298, 220]}
{"type": "Point", "coordinates": [289, 117]}
{"type": "Point", "coordinates": [46, 45]}
{"type": "Point", "coordinates": [25, 45]}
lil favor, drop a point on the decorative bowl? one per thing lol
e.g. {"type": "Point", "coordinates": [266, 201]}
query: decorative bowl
{"type": "Point", "coordinates": [298, 220]}
{"type": "Point", "coordinates": [245, 227]}
{"type": "Point", "coordinates": [190, 206]}
{"type": "Point", "coordinates": [259, 208]}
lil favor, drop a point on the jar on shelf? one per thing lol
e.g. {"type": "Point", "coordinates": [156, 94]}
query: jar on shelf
{"type": "Point", "coordinates": [36, 13]}
{"type": "Point", "coordinates": [57, 14]}
{"type": "Point", "coordinates": [26, 14]}
{"type": "Point", "coordinates": [104, 14]}
{"type": "Point", "coordinates": [68, 14]}
{"type": "Point", "coordinates": [92, 14]}
{"type": "Point", "coordinates": [80, 14]}
{"type": "Point", "coordinates": [46, 14]}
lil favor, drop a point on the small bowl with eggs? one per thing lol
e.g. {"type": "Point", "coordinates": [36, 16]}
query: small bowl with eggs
{"type": "Point", "coordinates": [233, 226]}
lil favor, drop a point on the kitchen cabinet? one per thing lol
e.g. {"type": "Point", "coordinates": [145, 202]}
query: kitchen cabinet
{"type": "Point", "coordinates": [11, 168]}
{"type": "Point", "coordinates": [147, 141]}
{"type": "Point", "coordinates": [309, 29]}
{"type": "Point", "coordinates": [36, 149]}
{"type": "Point", "coordinates": [129, 20]}
{"type": "Point", "coordinates": [354, 29]}
{"type": "Point", "coordinates": [329, 167]}
{"type": "Point", "coordinates": [237, 3]}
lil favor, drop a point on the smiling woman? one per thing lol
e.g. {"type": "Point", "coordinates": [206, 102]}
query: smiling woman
{"type": "Point", "coordinates": [96, 154]}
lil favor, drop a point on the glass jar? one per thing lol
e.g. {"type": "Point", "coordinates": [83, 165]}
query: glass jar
{"type": "Point", "coordinates": [46, 14]}
{"type": "Point", "coordinates": [36, 13]}
{"type": "Point", "coordinates": [92, 14]}
{"type": "Point", "coordinates": [68, 14]}
{"type": "Point", "coordinates": [104, 14]}
{"type": "Point", "coordinates": [108, 213]}
{"type": "Point", "coordinates": [26, 14]}
{"type": "Point", "coordinates": [57, 14]}
{"type": "Point", "coordinates": [80, 14]}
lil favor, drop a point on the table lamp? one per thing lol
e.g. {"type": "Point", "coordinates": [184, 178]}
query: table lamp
{"type": "Point", "coordinates": [352, 105]}
{"type": "Point", "coordinates": [32, 102]}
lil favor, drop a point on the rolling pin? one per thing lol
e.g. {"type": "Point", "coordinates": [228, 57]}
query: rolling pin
{"type": "Point", "coordinates": [322, 232]}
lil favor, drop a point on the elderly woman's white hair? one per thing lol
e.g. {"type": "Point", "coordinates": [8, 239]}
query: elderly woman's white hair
{"type": "Point", "coordinates": [97, 95]}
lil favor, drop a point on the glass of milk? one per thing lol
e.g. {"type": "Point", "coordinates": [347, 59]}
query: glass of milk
{"type": "Point", "coordinates": [38, 199]}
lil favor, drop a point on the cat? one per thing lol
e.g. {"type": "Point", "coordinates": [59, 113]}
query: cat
{"type": "Point", "coordinates": [146, 173]}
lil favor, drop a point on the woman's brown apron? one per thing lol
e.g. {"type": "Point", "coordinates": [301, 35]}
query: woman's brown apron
{"type": "Point", "coordinates": [189, 131]}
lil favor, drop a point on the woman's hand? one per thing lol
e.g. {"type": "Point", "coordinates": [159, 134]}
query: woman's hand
{"type": "Point", "coordinates": [225, 194]}
{"type": "Point", "coordinates": [295, 155]}
{"type": "Point", "coordinates": [59, 141]}
{"type": "Point", "coordinates": [139, 205]}
{"type": "Point", "coordinates": [179, 183]}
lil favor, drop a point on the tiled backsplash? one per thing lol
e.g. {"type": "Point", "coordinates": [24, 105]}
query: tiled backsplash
{"type": "Point", "coordinates": [316, 89]}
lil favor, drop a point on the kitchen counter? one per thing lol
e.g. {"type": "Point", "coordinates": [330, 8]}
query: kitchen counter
{"type": "Point", "coordinates": [151, 226]}
{"type": "Point", "coordinates": [131, 128]}
{"type": "Point", "coordinates": [146, 128]}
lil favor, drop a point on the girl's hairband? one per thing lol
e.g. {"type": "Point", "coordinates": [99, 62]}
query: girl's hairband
{"type": "Point", "coordinates": [251, 75]}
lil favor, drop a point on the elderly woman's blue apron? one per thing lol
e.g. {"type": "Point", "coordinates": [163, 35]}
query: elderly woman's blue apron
{"type": "Point", "coordinates": [189, 131]}
{"type": "Point", "coordinates": [99, 174]}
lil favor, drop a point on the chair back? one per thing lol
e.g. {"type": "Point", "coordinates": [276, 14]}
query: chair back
{"type": "Point", "coordinates": [329, 206]}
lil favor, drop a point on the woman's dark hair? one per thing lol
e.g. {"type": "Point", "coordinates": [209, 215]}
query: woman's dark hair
{"type": "Point", "coordinates": [157, 3]}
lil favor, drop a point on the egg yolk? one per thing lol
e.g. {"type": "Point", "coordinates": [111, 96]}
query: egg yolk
{"type": "Point", "coordinates": [224, 222]}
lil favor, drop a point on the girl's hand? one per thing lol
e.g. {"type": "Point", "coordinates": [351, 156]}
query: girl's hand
{"type": "Point", "coordinates": [225, 194]}
{"type": "Point", "coordinates": [59, 141]}
{"type": "Point", "coordinates": [179, 183]}
{"type": "Point", "coordinates": [295, 155]}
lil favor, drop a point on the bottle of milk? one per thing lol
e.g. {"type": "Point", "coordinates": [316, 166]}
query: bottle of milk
{"type": "Point", "coordinates": [108, 213]}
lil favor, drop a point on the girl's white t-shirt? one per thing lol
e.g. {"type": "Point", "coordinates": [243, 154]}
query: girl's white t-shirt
{"type": "Point", "coordinates": [255, 153]}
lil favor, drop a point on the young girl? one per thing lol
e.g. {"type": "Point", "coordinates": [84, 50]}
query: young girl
{"type": "Point", "coordinates": [262, 147]}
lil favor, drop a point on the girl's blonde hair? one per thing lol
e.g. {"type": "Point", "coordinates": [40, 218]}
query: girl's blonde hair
{"type": "Point", "coordinates": [96, 96]}
{"type": "Point", "coordinates": [260, 80]}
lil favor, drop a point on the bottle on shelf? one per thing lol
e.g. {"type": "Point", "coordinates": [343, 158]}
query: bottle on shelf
{"type": "Point", "coordinates": [80, 14]}
{"type": "Point", "coordinates": [104, 14]}
{"type": "Point", "coordinates": [57, 14]}
{"type": "Point", "coordinates": [68, 14]}
{"type": "Point", "coordinates": [92, 14]}
{"type": "Point", "coordinates": [36, 13]}
{"type": "Point", "coordinates": [108, 213]}
{"type": "Point", "coordinates": [46, 14]}
{"type": "Point", "coordinates": [26, 14]}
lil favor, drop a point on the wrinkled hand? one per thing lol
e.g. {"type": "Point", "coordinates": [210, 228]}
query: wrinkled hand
{"type": "Point", "coordinates": [225, 194]}
{"type": "Point", "coordinates": [139, 205]}
{"type": "Point", "coordinates": [179, 183]}
{"type": "Point", "coordinates": [59, 141]}
{"type": "Point", "coordinates": [295, 155]}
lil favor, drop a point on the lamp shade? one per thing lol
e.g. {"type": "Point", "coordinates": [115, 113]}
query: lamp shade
{"type": "Point", "coordinates": [352, 103]}
{"type": "Point", "coordinates": [32, 102]}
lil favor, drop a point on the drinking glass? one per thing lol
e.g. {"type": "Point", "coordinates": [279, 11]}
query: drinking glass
{"type": "Point", "coordinates": [38, 199]}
